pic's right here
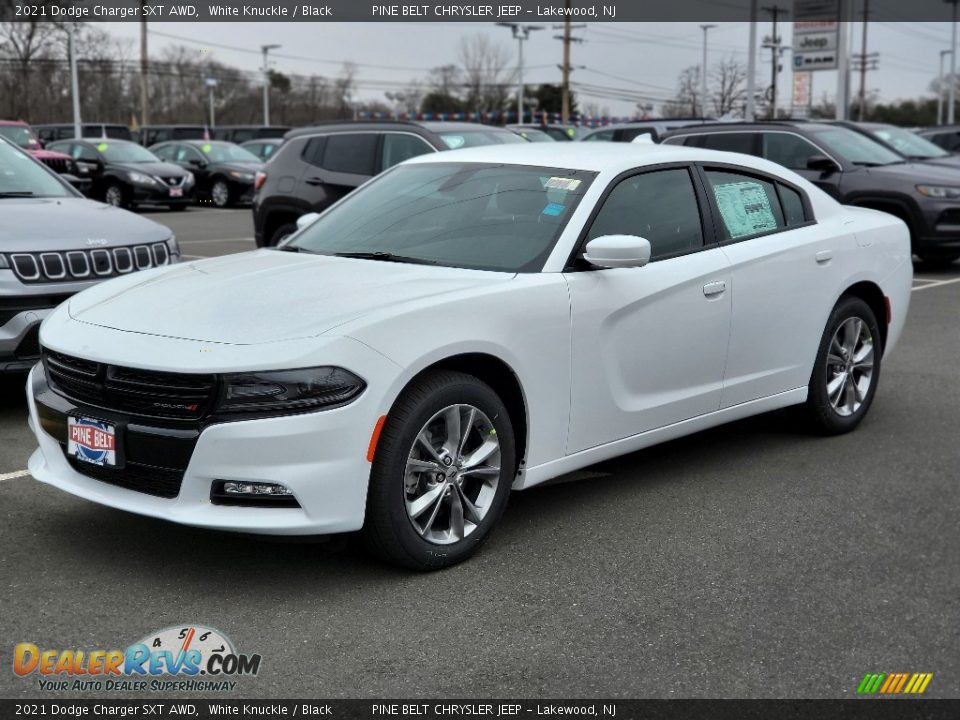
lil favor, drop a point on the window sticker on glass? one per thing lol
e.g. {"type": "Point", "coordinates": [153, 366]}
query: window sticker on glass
{"type": "Point", "coordinates": [745, 208]}
{"type": "Point", "coordinates": [454, 141]}
{"type": "Point", "coordinates": [554, 209]}
{"type": "Point", "coordinates": [561, 183]}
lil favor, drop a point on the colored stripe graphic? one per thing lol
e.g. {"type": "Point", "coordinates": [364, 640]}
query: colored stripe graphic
{"type": "Point", "coordinates": [894, 683]}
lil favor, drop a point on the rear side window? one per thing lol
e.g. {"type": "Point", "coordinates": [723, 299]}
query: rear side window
{"type": "Point", "coordinates": [791, 151]}
{"type": "Point", "coordinates": [353, 153]}
{"type": "Point", "coordinates": [398, 147]}
{"type": "Point", "coordinates": [748, 205]}
{"type": "Point", "coordinates": [729, 142]}
{"type": "Point", "coordinates": [792, 205]}
{"type": "Point", "coordinates": [660, 206]}
{"type": "Point", "coordinates": [313, 150]}
{"type": "Point", "coordinates": [602, 135]}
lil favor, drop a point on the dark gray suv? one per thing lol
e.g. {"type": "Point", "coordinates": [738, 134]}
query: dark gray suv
{"type": "Point", "coordinates": [54, 243]}
{"type": "Point", "coordinates": [854, 169]}
{"type": "Point", "coordinates": [316, 166]}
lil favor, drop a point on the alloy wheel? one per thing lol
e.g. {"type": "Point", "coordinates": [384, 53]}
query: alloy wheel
{"type": "Point", "coordinates": [849, 366]}
{"type": "Point", "coordinates": [114, 196]}
{"type": "Point", "coordinates": [220, 193]}
{"type": "Point", "coordinates": [451, 474]}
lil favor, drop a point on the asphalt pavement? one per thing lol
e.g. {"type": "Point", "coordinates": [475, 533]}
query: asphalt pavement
{"type": "Point", "coordinates": [752, 560]}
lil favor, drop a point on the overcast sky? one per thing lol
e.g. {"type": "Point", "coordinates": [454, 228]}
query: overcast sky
{"type": "Point", "coordinates": [642, 58]}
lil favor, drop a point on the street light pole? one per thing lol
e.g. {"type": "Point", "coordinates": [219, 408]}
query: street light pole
{"type": "Point", "coordinates": [750, 110]}
{"type": "Point", "coordinates": [266, 82]}
{"type": "Point", "coordinates": [953, 65]}
{"type": "Point", "coordinates": [520, 34]}
{"type": "Point", "coordinates": [74, 80]}
{"type": "Point", "coordinates": [703, 73]}
{"type": "Point", "coordinates": [211, 84]}
{"type": "Point", "coordinates": [940, 88]}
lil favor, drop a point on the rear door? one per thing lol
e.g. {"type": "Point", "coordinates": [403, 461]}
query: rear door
{"type": "Point", "coordinates": [335, 164]}
{"type": "Point", "coordinates": [786, 270]}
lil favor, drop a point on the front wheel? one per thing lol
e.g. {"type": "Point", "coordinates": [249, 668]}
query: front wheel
{"type": "Point", "coordinates": [220, 194]}
{"type": "Point", "coordinates": [116, 196]}
{"type": "Point", "coordinates": [442, 472]}
{"type": "Point", "coordinates": [847, 369]}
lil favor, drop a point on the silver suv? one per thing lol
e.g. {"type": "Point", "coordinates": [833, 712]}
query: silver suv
{"type": "Point", "coordinates": [54, 243]}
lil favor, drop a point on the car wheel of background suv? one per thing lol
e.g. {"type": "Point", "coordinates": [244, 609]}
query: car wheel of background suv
{"type": "Point", "coordinates": [442, 473]}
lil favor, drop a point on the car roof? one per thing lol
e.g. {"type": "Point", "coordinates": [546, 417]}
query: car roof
{"type": "Point", "coordinates": [749, 127]}
{"type": "Point", "coordinates": [439, 126]}
{"type": "Point", "coordinates": [14, 123]}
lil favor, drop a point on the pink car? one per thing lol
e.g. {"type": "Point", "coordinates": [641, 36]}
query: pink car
{"type": "Point", "coordinates": [22, 135]}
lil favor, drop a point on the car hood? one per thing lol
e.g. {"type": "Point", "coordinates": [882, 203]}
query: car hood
{"type": "Point", "coordinates": [916, 172]}
{"type": "Point", "coordinates": [950, 161]}
{"type": "Point", "coordinates": [38, 224]}
{"type": "Point", "coordinates": [245, 167]}
{"type": "Point", "coordinates": [152, 168]}
{"type": "Point", "coordinates": [264, 296]}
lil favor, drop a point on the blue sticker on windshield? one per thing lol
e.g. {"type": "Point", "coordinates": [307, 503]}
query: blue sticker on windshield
{"type": "Point", "coordinates": [553, 209]}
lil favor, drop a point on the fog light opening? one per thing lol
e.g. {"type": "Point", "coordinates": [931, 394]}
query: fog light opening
{"type": "Point", "coordinates": [252, 494]}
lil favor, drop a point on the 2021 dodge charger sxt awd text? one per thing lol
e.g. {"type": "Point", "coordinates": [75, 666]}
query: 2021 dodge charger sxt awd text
{"type": "Point", "coordinates": [464, 325]}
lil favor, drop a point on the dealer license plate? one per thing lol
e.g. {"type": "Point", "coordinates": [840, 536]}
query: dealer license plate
{"type": "Point", "coordinates": [176, 192]}
{"type": "Point", "coordinates": [92, 441]}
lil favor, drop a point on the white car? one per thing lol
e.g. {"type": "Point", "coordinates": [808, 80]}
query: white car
{"type": "Point", "coordinates": [462, 326]}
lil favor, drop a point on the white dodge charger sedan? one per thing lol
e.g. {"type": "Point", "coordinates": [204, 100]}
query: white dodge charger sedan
{"type": "Point", "coordinates": [463, 326]}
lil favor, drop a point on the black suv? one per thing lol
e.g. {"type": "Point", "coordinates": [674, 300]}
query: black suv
{"type": "Point", "coordinates": [316, 166]}
{"type": "Point", "coordinates": [855, 170]}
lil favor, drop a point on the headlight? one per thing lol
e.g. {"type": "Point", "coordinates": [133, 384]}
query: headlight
{"type": "Point", "coordinates": [941, 192]}
{"type": "Point", "coordinates": [288, 390]}
{"type": "Point", "coordinates": [190, 179]}
{"type": "Point", "coordinates": [4, 263]}
{"type": "Point", "coordinates": [173, 248]}
{"type": "Point", "coordinates": [141, 178]}
{"type": "Point", "coordinates": [237, 175]}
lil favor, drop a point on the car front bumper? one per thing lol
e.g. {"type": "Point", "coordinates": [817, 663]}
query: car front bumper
{"type": "Point", "coordinates": [160, 195]}
{"type": "Point", "coordinates": [319, 456]}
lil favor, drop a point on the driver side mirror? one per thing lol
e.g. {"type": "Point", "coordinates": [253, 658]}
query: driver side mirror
{"type": "Point", "coordinates": [197, 162]}
{"type": "Point", "coordinates": [822, 163]}
{"type": "Point", "coordinates": [307, 219]}
{"type": "Point", "coordinates": [618, 251]}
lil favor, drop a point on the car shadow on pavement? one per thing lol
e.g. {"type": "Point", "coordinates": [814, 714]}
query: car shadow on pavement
{"type": "Point", "coordinates": [268, 562]}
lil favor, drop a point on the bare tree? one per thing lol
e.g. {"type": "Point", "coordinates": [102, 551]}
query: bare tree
{"type": "Point", "coordinates": [727, 80]}
{"type": "Point", "coordinates": [486, 79]}
{"type": "Point", "coordinates": [687, 100]}
{"type": "Point", "coordinates": [25, 43]}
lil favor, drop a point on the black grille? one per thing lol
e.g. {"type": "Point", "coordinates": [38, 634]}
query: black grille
{"type": "Point", "coordinates": [59, 165]}
{"type": "Point", "coordinates": [143, 393]}
{"type": "Point", "coordinates": [173, 181]}
{"type": "Point", "coordinates": [29, 347]}
{"type": "Point", "coordinates": [160, 482]}
{"type": "Point", "coordinates": [67, 266]}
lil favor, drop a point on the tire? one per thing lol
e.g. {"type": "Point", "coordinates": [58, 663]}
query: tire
{"type": "Point", "coordinates": [412, 516]}
{"type": "Point", "coordinates": [281, 233]}
{"type": "Point", "coordinates": [842, 387]}
{"type": "Point", "coordinates": [116, 195]}
{"type": "Point", "coordinates": [938, 261]}
{"type": "Point", "coordinates": [220, 193]}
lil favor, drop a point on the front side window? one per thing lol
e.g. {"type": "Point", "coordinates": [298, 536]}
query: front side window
{"type": "Point", "coordinates": [748, 205]}
{"type": "Point", "coordinates": [469, 215]}
{"type": "Point", "coordinates": [660, 206]}
{"type": "Point", "coordinates": [791, 151]}
{"type": "Point", "coordinates": [605, 135]}
{"type": "Point", "coordinates": [398, 147]}
{"type": "Point", "coordinates": [167, 152]}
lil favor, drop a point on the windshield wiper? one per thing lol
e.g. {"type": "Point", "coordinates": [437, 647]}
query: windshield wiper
{"type": "Point", "coordinates": [386, 257]}
{"type": "Point", "coordinates": [16, 193]}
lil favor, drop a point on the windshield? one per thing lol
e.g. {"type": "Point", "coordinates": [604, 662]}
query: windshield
{"type": "Point", "coordinates": [121, 152]}
{"type": "Point", "coordinates": [19, 135]}
{"type": "Point", "coordinates": [22, 176]}
{"type": "Point", "coordinates": [227, 152]}
{"type": "Point", "coordinates": [476, 138]}
{"type": "Point", "coordinates": [534, 135]}
{"type": "Point", "coordinates": [856, 148]}
{"type": "Point", "coordinates": [502, 217]}
{"type": "Point", "coordinates": [909, 144]}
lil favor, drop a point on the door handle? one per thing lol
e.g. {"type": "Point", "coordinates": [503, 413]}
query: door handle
{"type": "Point", "coordinates": [824, 256]}
{"type": "Point", "coordinates": [314, 181]}
{"type": "Point", "coordinates": [714, 288]}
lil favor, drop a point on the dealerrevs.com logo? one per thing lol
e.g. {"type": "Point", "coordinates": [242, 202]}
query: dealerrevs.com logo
{"type": "Point", "coordinates": [179, 658]}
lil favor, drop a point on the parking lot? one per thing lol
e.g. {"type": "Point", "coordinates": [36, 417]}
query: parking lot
{"type": "Point", "coordinates": [753, 560]}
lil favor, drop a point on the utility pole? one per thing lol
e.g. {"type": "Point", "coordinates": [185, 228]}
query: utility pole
{"type": "Point", "coordinates": [940, 88]}
{"type": "Point", "coordinates": [703, 73]}
{"type": "Point", "coordinates": [774, 45]}
{"type": "Point", "coordinates": [844, 43]}
{"type": "Point", "coordinates": [266, 82]}
{"type": "Point", "coordinates": [951, 107]}
{"type": "Point", "coordinates": [144, 69]}
{"type": "Point", "coordinates": [74, 80]}
{"type": "Point", "coordinates": [211, 84]}
{"type": "Point", "coordinates": [566, 67]}
{"type": "Point", "coordinates": [750, 110]}
{"type": "Point", "coordinates": [521, 33]}
{"type": "Point", "coordinates": [867, 61]}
